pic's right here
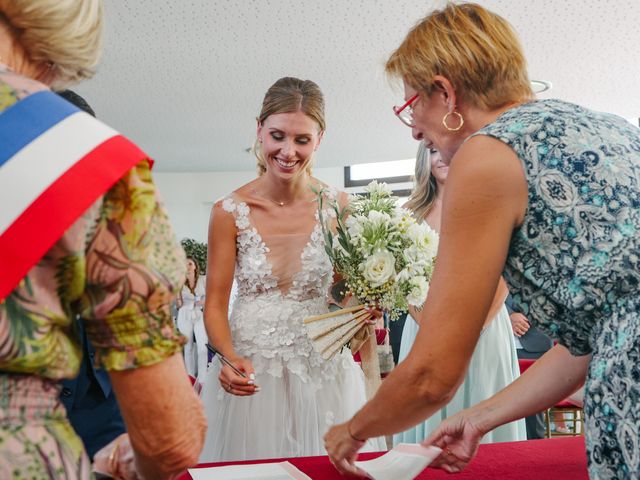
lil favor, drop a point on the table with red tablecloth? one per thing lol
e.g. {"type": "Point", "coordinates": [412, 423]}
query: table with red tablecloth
{"type": "Point", "coordinates": [548, 459]}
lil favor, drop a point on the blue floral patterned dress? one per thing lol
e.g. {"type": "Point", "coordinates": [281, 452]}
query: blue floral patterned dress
{"type": "Point", "coordinates": [574, 265]}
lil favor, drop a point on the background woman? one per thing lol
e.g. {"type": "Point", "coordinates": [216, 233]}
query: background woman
{"type": "Point", "coordinates": [494, 363]}
{"type": "Point", "coordinates": [546, 190]}
{"type": "Point", "coordinates": [116, 265]}
{"type": "Point", "coordinates": [267, 234]}
{"type": "Point", "coordinates": [190, 321]}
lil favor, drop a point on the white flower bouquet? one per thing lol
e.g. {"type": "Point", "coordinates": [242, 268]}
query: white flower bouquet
{"type": "Point", "coordinates": [385, 257]}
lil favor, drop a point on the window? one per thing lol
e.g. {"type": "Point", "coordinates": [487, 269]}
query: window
{"type": "Point", "coordinates": [397, 174]}
{"type": "Point", "coordinates": [360, 175]}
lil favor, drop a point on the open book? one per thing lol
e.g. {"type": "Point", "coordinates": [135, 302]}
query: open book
{"type": "Point", "coordinates": [405, 461]}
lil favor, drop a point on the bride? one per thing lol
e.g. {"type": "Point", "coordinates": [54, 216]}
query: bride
{"type": "Point", "coordinates": [267, 234]}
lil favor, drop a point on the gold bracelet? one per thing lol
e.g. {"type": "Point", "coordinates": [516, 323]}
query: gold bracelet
{"type": "Point", "coordinates": [351, 434]}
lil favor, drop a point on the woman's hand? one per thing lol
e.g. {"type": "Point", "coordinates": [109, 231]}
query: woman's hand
{"type": "Point", "coordinates": [236, 384]}
{"type": "Point", "coordinates": [458, 437]}
{"type": "Point", "coordinates": [343, 448]}
{"type": "Point", "coordinates": [376, 314]}
{"type": "Point", "coordinates": [519, 323]}
{"type": "Point", "coordinates": [116, 459]}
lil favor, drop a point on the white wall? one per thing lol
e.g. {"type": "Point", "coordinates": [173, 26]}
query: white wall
{"type": "Point", "coordinates": [189, 196]}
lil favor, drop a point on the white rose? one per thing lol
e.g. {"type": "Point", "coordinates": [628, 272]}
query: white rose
{"type": "Point", "coordinates": [419, 290]}
{"type": "Point", "coordinates": [379, 268]}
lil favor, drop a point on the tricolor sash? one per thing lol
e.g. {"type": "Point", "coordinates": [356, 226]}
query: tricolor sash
{"type": "Point", "coordinates": [55, 162]}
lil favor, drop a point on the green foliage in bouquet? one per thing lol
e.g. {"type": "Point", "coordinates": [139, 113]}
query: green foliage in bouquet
{"type": "Point", "coordinates": [198, 251]}
{"type": "Point", "coordinates": [384, 255]}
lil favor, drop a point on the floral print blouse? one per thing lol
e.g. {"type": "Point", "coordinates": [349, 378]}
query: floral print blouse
{"type": "Point", "coordinates": [118, 267]}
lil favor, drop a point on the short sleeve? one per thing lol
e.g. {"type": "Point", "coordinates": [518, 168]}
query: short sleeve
{"type": "Point", "coordinates": [135, 267]}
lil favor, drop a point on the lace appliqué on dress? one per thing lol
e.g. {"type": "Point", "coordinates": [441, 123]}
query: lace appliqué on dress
{"type": "Point", "coordinates": [266, 325]}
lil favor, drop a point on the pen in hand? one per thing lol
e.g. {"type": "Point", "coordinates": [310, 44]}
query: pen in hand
{"type": "Point", "coordinates": [226, 361]}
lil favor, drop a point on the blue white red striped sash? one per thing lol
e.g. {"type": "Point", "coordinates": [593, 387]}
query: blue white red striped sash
{"type": "Point", "coordinates": [55, 162]}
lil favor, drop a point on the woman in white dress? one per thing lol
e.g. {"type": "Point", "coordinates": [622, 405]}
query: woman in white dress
{"type": "Point", "coordinates": [494, 363]}
{"type": "Point", "coordinates": [267, 235]}
{"type": "Point", "coordinates": [190, 321]}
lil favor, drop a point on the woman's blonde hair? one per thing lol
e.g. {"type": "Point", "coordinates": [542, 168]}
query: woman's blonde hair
{"type": "Point", "coordinates": [65, 34]}
{"type": "Point", "coordinates": [474, 48]}
{"type": "Point", "coordinates": [289, 95]}
{"type": "Point", "coordinates": [425, 187]}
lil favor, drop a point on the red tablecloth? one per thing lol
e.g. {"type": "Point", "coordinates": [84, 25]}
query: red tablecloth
{"type": "Point", "coordinates": [549, 459]}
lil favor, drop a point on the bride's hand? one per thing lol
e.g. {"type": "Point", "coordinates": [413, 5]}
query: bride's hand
{"type": "Point", "coordinates": [236, 384]}
{"type": "Point", "coordinates": [375, 314]}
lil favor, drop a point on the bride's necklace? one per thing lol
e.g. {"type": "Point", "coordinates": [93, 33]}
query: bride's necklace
{"type": "Point", "coordinates": [280, 204]}
{"type": "Point", "coordinates": [283, 204]}
{"type": "Point", "coordinates": [277, 202]}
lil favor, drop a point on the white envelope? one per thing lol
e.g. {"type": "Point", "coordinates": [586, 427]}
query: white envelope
{"type": "Point", "coordinates": [405, 461]}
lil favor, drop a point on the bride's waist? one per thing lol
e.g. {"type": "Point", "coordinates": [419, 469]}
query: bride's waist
{"type": "Point", "coordinates": [275, 301]}
{"type": "Point", "coordinates": [273, 325]}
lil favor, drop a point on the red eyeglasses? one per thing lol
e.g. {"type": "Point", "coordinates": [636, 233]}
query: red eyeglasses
{"type": "Point", "coordinates": [405, 112]}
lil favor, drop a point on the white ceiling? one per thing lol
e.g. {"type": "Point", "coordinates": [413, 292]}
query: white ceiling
{"type": "Point", "coordinates": [185, 78]}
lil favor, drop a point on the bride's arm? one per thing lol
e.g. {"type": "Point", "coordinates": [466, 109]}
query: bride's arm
{"type": "Point", "coordinates": [221, 258]}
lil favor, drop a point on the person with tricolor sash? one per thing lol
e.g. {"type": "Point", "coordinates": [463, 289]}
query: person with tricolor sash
{"type": "Point", "coordinates": [82, 234]}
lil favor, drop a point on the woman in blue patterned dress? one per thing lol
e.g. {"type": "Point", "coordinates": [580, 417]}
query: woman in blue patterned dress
{"type": "Point", "coordinates": [545, 190]}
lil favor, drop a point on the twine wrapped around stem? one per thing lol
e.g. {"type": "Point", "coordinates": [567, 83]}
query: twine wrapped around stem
{"type": "Point", "coordinates": [369, 360]}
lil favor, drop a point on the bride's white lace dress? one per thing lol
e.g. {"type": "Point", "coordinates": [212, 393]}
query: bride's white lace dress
{"type": "Point", "coordinates": [301, 394]}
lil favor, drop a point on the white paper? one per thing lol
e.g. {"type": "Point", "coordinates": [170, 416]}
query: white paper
{"type": "Point", "coordinates": [258, 471]}
{"type": "Point", "coordinates": [405, 461]}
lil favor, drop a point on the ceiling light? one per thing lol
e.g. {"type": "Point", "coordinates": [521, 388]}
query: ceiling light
{"type": "Point", "coordinates": [539, 86]}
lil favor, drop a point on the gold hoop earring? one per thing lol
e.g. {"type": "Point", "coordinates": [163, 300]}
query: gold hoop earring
{"type": "Point", "coordinates": [453, 129]}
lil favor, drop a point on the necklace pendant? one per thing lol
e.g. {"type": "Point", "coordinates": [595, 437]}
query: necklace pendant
{"type": "Point", "coordinates": [281, 204]}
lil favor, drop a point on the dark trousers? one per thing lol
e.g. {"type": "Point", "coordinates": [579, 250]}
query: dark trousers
{"type": "Point", "coordinates": [395, 336]}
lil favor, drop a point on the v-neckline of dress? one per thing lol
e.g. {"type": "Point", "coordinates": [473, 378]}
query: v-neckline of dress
{"type": "Point", "coordinates": [265, 250]}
